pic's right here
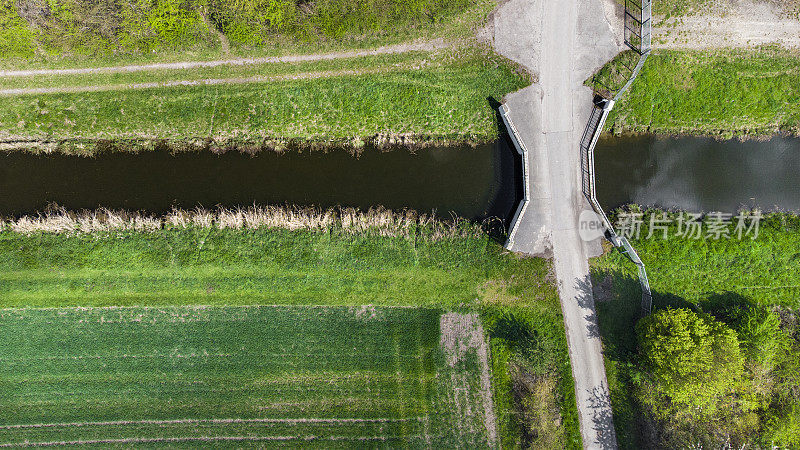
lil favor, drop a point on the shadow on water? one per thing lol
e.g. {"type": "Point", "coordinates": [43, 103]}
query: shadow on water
{"type": "Point", "coordinates": [476, 183]}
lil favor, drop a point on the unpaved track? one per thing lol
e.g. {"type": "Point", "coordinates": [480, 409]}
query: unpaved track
{"type": "Point", "coordinates": [743, 24]}
{"type": "Point", "coordinates": [462, 336]}
{"type": "Point", "coordinates": [201, 82]}
{"type": "Point", "coordinates": [197, 439]}
{"type": "Point", "coordinates": [299, 420]}
{"type": "Point", "coordinates": [424, 46]}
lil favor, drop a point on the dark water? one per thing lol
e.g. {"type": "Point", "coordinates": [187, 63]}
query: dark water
{"type": "Point", "coordinates": [699, 174]}
{"type": "Point", "coordinates": [474, 183]}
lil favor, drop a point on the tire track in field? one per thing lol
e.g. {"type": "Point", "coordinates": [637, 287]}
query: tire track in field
{"type": "Point", "coordinates": [209, 421]}
{"type": "Point", "coordinates": [385, 50]}
{"type": "Point", "coordinates": [461, 335]}
{"type": "Point", "coordinates": [164, 440]}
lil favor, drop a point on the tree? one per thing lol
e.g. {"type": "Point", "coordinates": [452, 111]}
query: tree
{"type": "Point", "coordinates": [689, 363]}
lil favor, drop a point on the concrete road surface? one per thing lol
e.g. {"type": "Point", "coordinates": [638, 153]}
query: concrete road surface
{"type": "Point", "coordinates": [562, 42]}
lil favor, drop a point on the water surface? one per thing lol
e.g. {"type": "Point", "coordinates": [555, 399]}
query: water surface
{"type": "Point", "coordinates": [699, 174]}
{"type": "Point", "coordinates": [474, 183]}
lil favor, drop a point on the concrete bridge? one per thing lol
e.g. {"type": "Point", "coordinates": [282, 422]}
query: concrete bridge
{"type": "Point", "coordinates": [562, 43]}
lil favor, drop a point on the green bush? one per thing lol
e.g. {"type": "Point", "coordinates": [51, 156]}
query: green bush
{"type": "Point", "coordinates": [533, 385]}
{"type": "Point", "coordinates": [763, 343]}
{"type": "Point", "coordinates": [251, 21]}
{"type": "Point", "coordinates": [113, 27]}
{"type": "Point", "coordinates": [704, 386]}
{"type": "Point", "coordinates": [135, 35]}
{"type": "Point", "coordinates": [174, 21]}
{"type": "Point", "coordinates": [689, 363]}
{"type": "Point", "coordinates": [16, 39]}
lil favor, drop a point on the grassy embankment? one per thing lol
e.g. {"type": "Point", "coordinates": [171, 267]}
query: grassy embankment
{"type": "Point", "coordinates": [422, 96]}
{"type": "Point", "coordinates": [232, 259]}
{"type": "Point", "coordinates": [716, 276]}
{"type": "Point", "coordinates": [425, 96]}
{"type": "Point", "coordinates": [754, 92]}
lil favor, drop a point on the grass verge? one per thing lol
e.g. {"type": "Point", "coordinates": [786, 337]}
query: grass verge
{"type": "Point", "coordinates": [723, 93]}
{"type": "Point", "coordinates": [706, 275]}
{"type": "Point", "coordinates": [178, 265]}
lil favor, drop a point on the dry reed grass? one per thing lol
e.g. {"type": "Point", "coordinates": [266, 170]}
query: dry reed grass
{"type": "Point", "coordinates": [375, 221]}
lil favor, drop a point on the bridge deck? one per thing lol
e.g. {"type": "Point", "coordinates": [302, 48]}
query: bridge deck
{"type": "Point", "coordinates": [563, 43]}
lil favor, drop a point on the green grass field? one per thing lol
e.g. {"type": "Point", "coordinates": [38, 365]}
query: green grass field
{"type": "Point", "coordinates": [264, 266]}
{"type": "Point", "coordinates": [410, 279]}
{"type": "Point", "coordinates": [443, 95]}
{"type": "Point", "coordinates": [317, 377]}
{"type": "Point", "coordinates": [723, 93]}
{"type": "Point", "coordinates": [683, 272]}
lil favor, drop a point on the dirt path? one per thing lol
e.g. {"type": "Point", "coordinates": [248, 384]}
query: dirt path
{"type": "Point", "coordinates": [462, 336]}
{"type": "Point", "coordinates": [200, 82]}
{"type": "Point", "coordinates": [223, 40]}
{"type": "Point", "coordinates": [386, 50]}
{"type": "Point", "coordinates": [744, 24]}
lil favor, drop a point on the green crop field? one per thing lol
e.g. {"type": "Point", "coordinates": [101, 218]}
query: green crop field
{"type": "Point", "coordinates": [300, 376]}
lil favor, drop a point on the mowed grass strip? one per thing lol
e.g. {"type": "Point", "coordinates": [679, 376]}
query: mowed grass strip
{"type": "Point", "coordinates": [447, 100]}
{"type": "Point", "coordinates": [138, 373]}
{"type": "Point", "coordinates": [177, 266]}
{"type": "Point", "coordinates": [726, 92]}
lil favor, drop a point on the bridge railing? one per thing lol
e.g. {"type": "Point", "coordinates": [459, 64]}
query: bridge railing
{"type": "Point", "coordinates": [523, 151]}
{"type": "Point", "coordinates": [591, 134]}
{"type": "Point", "coordinates": [644, 282]}
{"type": "Point", "coordinates": [638, 38]}
{"type": "Point", "coordinates": [638, 32]}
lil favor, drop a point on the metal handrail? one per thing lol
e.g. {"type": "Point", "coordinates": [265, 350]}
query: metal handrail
{"type": "Point", "coordinates": [519, 144]}
{"type": "Point", "coordinates": [644, 24]}
{"type": "Point", "coordinates": [592, 133]}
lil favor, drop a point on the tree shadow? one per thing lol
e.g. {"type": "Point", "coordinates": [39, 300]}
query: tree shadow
{"type": "Point", "coordinates": [586, 302]}
{"type": "Point", "coordinates": [726, 306]}
{"type": "Point", "coordinates": [599, 397]}
{"type": "Point", "coordinates": [602, 417]}
{"type": "Point", "coordinates": [617, 317]}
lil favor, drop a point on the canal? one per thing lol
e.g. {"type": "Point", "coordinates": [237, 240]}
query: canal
{"type": "Point", "coordinates": [690, 173]}
{"type": "Point", "coordinates": [699, 174]}
{"type": "Point", "coordinates": [475, 183]}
